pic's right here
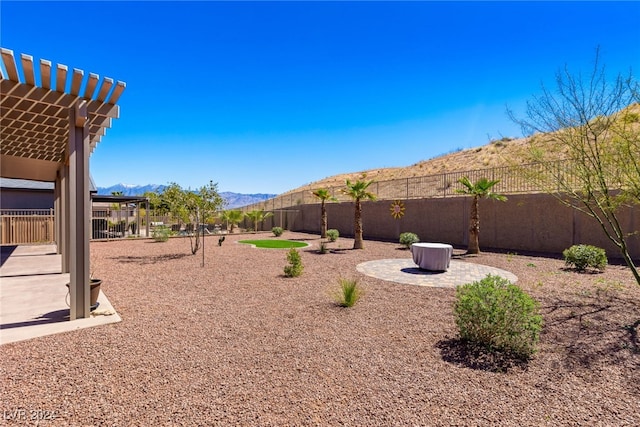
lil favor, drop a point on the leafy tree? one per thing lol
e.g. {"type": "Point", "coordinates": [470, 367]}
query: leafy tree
{"type": "Point", "coordinates": [257, 216]}
{"type": "Point", "coordinates": [156, 204]}
{"type": "Point", "coordinates": [595, 120]}
{"type": "Point", "coordinates": [193, 207]}
{"type": "Point", "coordinates": [173, 196]}
{"type": "Point", "coordinates": [480, 189]}
{"type": "Point", "coordinates": [117, 207]}
{"type": "Point", "coordinates": [324, 195]}
{"type": "Point", "coordinates": [232, 217]}
{"type": "Point", "coordinates": [358, 191]}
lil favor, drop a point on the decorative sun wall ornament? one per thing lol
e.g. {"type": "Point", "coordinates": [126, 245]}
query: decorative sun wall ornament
{"type": "Point", "coordinates": [397, 209]}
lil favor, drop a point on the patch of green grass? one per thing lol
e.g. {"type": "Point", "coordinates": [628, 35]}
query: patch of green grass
{"type": "Point", "coordinates": [274, 244]}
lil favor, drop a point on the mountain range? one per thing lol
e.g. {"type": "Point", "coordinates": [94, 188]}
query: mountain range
{"type": "Point", "coordinates": [234, 200]}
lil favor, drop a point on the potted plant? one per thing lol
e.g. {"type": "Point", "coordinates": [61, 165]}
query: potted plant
{"type": "Point", "coordinates": [94, 292]}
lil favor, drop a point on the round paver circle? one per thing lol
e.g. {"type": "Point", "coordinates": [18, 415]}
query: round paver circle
{"type": "Point", "coordinates": [401, 270]}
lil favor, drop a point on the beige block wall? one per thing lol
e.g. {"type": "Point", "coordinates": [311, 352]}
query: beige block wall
{"type": "Point", "coordinates": [534, 222]}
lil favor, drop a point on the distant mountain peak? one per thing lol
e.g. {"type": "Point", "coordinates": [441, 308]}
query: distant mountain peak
{"type": "Point", "coordinates": [234, 200]}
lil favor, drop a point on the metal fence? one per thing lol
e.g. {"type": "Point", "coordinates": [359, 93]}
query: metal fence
{"type": "Point", "coordinates": [26, 226]}
{"type": "Point", "coordinates": [116, 221]}
{"type": "Point", "coordinates": [512, 180]}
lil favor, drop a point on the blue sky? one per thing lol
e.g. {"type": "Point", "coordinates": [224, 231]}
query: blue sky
{"type": "Point", "coordinates": [263, 97]}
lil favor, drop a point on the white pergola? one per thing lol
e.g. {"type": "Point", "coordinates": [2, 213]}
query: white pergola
{"type": "Point", "coordinates": [50, 122]}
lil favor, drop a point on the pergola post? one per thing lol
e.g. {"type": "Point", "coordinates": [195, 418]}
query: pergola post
{"type": "Point", "coordinates": [64, 216]}
{"type": "Point", "coordinates": [138, 219]}
{"type": "Point", "coordinates": [56, 212]}
{"type": "Point", "coordinates": [79, 211]}
{"type": "Point", "coordinates": [146, 214]}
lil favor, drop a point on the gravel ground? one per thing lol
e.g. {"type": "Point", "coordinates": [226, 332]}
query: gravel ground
{"type": "Point", "coordinates": [237, 343]}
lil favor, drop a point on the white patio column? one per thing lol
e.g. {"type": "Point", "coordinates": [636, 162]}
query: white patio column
{"type": "Point", "coordinates": [79, 210]}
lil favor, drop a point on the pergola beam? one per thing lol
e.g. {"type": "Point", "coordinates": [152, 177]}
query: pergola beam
{"type": "Point", "coordinates": [76, 81]}
{"type": "Point", "coordinates": [27, 68]}
{"type": "Point", "coordinates": [45, 74]}
{"type": "Point", "coordinates": [61, 77]}
{"type": "Point", "coordinates": [10, 64]}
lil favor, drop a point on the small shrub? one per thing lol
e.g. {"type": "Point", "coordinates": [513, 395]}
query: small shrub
{"type": "Point", "coordinates": [277, 231]}
{"type": "Point", "coordinates": [407, 239]}
{"type": "Point", "coordinates": [349, 293]}
{"type": "Point", "coordinates": [498, 315]}
{"type": "Point", "coordinates": [631, 117]}
{"type": "Point", "coordinates": [583, 256]}
{"type": "Point", "coordinates": [161, 233]}
{"type": "Point", "coordinates": [323, 248]}
{"type": "Point", "coordinates": [333, 234]}
{"type": "Point", "coordinates": [294, 269]}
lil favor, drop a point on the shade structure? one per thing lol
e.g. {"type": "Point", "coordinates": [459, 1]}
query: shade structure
{"type": "Point", "coordinates": [50, 121]}
{"type": "Point", "coordinates": [34, 107]}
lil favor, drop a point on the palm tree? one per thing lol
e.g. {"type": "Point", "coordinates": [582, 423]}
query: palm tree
{"type": "Point", "coordinates": [232, 217]}
{"type": "Point", "coordinates": [257, 216]}
{"type": "Point", "coordinates": [358, 191]}
{"type": "Point", "coordinates": [481, 189]}
{"type": "Point", "coordinates": [324, 195]}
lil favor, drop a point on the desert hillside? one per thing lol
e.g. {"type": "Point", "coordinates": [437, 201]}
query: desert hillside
{"type": "Point", "coordinates": [497, 153]}
{"type": "Point", "coordinates": [501, 152]}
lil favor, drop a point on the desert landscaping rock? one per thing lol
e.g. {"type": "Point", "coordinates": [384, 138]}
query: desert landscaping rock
{"type": "Point", "coordinates": [237, 343]}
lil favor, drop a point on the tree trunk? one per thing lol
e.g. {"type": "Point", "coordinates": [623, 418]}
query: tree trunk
{"type": "Point", "coordinates": [323, 227]}
{"type": "Point", "coordinates": [474, 228]}
{"type": "Point", "coordinates": [194, 238]}
{"type": "Point", "coordinates": [358, 243]}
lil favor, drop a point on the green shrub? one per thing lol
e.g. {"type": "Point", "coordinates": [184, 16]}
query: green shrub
{"type": "Point", "coordinates": [161, 233]}
{"type": "Point", "coordinates": [277, 231]}
{"type": "Point", "coordinates": [407, 239]}
{"type": "Point", "coordinates": [583, 256]}
{"type": "Point", "coordinates": [631, 117]}
{"type": "Point", "coordinates": [498, 315]}
{"type": "Point", "coordinates": [349, 293]}
{"type": "Point", "coordinates": [294, 269]}
{"type": "Point", "coordinates": [333, 234]}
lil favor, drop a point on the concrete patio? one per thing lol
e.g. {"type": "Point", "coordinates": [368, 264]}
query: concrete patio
{"type": "Point", "coordinates": [33, 296]}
